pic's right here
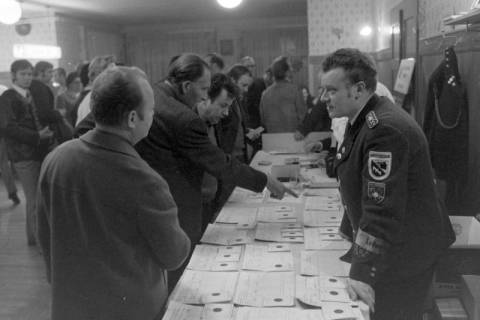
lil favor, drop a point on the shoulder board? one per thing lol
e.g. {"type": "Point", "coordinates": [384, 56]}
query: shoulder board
{"type": "Point", "coordinates": [371, 119]}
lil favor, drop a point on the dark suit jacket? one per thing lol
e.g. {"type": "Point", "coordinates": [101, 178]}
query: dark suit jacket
{"type": "Point", "coordinates": [178, 147]}
{"type": "Point", "coordinates": [44, 101]}
{"type": "Point", "coordinates": [316, 119]}
{"type": "Point", "coordinates": [108, 229]}
{"type": "Point", "coordinates": [19, 129]}
{"type": "Point", "coordinates": [392, 214]}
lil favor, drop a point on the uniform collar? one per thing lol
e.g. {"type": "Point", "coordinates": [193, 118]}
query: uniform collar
{"type": "Point", "coordinates": [359, 119]}
{"type": "Point", "coordinates": [109, 141]}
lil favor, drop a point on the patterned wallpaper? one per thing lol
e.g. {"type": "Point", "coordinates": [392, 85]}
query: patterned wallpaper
{"type": "Point", "coordinates": [43, 32]}
{"type": "Point", "coordinates": [432, 13]}
{"type": "Point", "coordinates": [333, 24]}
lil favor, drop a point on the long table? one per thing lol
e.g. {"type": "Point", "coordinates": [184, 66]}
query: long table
{"type": "Point", "coordinates": [252, 263]}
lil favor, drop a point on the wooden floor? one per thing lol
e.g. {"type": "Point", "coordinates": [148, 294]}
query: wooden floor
{"type": "Point", "coordinates": [24, 291]}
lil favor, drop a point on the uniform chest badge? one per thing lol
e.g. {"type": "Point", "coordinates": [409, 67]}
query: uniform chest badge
{"type": "Point", "coordinates": [379, 165]}
{"type": "Point", "coordinates": [376, 191]}
{"type": "Point", "coordinates": [371, 119]}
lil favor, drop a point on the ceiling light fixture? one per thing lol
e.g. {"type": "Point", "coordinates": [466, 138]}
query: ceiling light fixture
{"type": "Point", "coordinates": [366, 31]}
{"type": "Point", "coordinates": [10, 11]}
{"type": "Point", "coordinates": [229, 4]}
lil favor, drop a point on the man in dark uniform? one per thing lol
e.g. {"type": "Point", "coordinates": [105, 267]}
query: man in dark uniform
{"type": "Point", "coordinates": [392, 214]}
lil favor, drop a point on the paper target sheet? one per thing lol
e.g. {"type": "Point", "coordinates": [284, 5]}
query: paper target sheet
{"type": "Point", "coordinates": [277, 214]}
{"type": "Point", "coordinates": [279, 232]}
{"type": "Point", "coordinates": [323, 263]}
{"type": "Point", "coordinates": [202, 287]}
{"type": "Point", "coordinates": [251, 313]}
{"type": "Point", "coordinates": [316, 240]}
{"type": "Point", "coordinates": [180, 311]}
{"type": "Point", "coordinates": [237, 215]}
{"type": "Point", "coordinates": [314, 291]}
{"type": "Point", "coordinates": [225, 235]}
{"type": "Point", "coordinates": [265, 289]}
{"type": "Point", "coordinates": [258, 257]}
{"type": "Point", "coordinates": [215, 258]}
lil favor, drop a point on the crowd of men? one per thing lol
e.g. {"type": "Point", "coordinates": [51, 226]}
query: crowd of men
{"type": "Point", "coordinates": [127, 200]}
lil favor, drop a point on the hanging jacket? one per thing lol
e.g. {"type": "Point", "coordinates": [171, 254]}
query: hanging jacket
{"type": "Point", "coordinates": [446, 121]}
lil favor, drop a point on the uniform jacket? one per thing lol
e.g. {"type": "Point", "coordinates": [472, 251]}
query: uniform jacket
{"type": "Point", "coordinates": [446, 122]}
{"type": "Point", "coordinates": [19, 129]}
{"type": "Point", "coordinates": [392, 214]}
{"type": "Point", "coordinates": [179, 149]}
{"type": "Point", "coordinates": [108, 229]}
{"type": "Point", "coordinates": [282, 107]}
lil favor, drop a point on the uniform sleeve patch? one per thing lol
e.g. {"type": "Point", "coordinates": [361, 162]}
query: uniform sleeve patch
{"type": "Point", "coordinates": [371, 119]}
{"type": "Point", "coordinates": [379, 165]}
{"type": "Point", "coordinates": [376, 191]}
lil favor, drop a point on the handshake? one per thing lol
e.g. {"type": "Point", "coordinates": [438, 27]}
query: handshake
{"type": "Point", "coordinates": [309, 146]}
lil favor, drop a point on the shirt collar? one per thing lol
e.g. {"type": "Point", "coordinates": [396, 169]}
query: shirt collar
{"type": "Point", "coordinates": [21, 91]}
{"type": "Point", "coordinates": [109, 141]}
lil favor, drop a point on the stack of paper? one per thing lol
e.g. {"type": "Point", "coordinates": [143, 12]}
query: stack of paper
{"type": "Point", "coordinates": [215, 258]}
{"type": "Point", "coordinates": [259, 258]}
{"type": "Point", "coordinates": [323, 263]}
{"type": "Point", "coordinates": [277, 214]}
{"type": "Point", "coordinates": [202, 287]}
{"type": "Point", "coordinates": [279, 232]}
{"type": "Point", "coordinates": [242, 216]}
{"type": "Point", "coordinates": [341, 311]}
{"type": "Point", "coordinates": [241, 195]}
{"type": "Point", "coordinates": [315, 291]}
{"type": "Point", "coordinates": [251, 313]}
{"type": "Point", "coordinates": [265, 289]}
{"type": "Point", "coordinates": [180, 311]}
{"type": "Point", "coordinates": [225, 235]}
{"type": "Point", "coordinates": [315, 239]}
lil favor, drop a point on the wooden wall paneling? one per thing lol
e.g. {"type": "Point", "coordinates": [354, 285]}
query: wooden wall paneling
{"type": "Point", "coordinates": [267, 44]}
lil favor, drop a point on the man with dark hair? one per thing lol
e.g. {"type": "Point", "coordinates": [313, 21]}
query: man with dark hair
{"type": "Point", "coordinates": [215, 62]}
{"type": "Point", "coordinates": [282, 107]}
{"type": "Point", "coordinates": [220, 97]}
{"type": "Point", "coordinates": [26, 138]}
{"type": "Point", "coordinates": [392, 216]}
{"type": "Point", "coordinates": [108, 225]}
{"type": "Point", "coordinates": [178, 146]}
{"type": "Point", "coordinates": [231, 129]}
{"type": "Point", "coordinates": [43, 72]}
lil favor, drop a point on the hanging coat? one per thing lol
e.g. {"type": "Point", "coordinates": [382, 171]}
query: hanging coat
{"type": "Point", "coordinates": [446, 124]}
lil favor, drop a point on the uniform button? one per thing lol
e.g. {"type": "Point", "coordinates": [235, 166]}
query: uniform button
{"type": "Point", "coordinates": [372, 275]}
{"type": "Point", "coordinates": [343, 149]}
{"type": "Point", "coordinates": [339, 156]}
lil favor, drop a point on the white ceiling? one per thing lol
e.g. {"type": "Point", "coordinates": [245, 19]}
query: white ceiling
{"type": "Point", "coordinates": [159, 11]}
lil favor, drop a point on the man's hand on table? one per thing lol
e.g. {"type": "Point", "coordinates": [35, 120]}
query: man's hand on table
{"type": "Point", "coordinates": [360, 290]}
{"type": "Point", "coordinates": [277, 189]}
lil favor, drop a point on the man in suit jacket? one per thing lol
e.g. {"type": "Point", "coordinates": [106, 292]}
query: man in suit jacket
{"type": "Point", "coordinates": [178, 146]}
{"type": "Point", "coordinates": [392, 216]}
{"type": "Point", "coordinates": [26, 138]}
{"type": "Point", "coordinates": [108, 224]}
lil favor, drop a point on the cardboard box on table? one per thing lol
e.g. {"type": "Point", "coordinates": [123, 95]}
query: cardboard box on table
{"type": "Point", "coordinates": [463, 257]}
